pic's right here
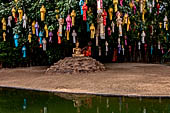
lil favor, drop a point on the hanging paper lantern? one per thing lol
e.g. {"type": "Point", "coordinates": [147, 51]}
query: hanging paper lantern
{"type": "Point", "coordinates": [141, 6]}
{"type": "Point", "coordinates": [115, 2]}
{"type": "Point", "coordinates": [36, 28]}
{"type": "Point", "coordinates": [24, 51]}
{"type": "Point", "coordinates": [151, 49]}
{"type": "Point", "coordinates": [160, 25]}
{"type": "Point", "coordinates": [59, 38]}
{"type": "Point", "coordinates": [33, 27]}
{"type": "Point", "coordinates": [51, 36]}
{"type": "Point", "coordinates": [46, 30]}
{"type": "Point", "coordinates": [139, 45]}
{"type": "Point", "coordinates": [125, 40]}
{"type": "Point", "coordinates": [153, 3]}
{"type": "Point", "coordinates": [42, 11]}
{"type": "Point", "coordinates": [57, 15]}
{"type": "Point", "coordinates": [157, 6]}
{"type": "Point", "coordinates": [44, 44]}
{"type": "Point", "coordinates": [123, 50]}
{"type": "Point", "coordinates": [24, 21]}
{"type": "Point", "coordinates": [119, 23]}
{"type": "Point", "coordinates": [40, 38]}
{"type": "Point", "coordinates": [104, 14]}
{"type": "Point", "coordinates": [109, 31]}
{"type": "Point", "coordinates": [125, 18]}
{"type": "Point", "coordinates": [110, 13]}
{"type": "Point", "coordinates": [3, 24]}
{"type": "Point", "coordinates": [143, 37]}
{"type": "Point", "coordinates": [128, 24]}
{"type": "Point", "coordinates": [143, 15]}
{"type": "Point", "coordinates": [113, 27]}
{"type": "Point", "coordinates": [150, 7]}
{"type": "Point", "coordinates": [20, 11]}
{"type": "Point", "coordinates": [107, 49]}
{"type": "Point", "coordinates": [166, 22]}
{"type": "Point", "coordinates": [88, 26]}
{"type": "Point", "coordinates": [9, 21]}
{"type": "Point", "coordinates": [29, 37]}
{"type": "Point", "coordinates": [69, 23]}
{"type": "Point", "coordinates": [16, 36]}
{"type": "Point", "coordinates": [4, 36]}
{"type": "Point", "coordinates": [74, 34]}
{"type": "Point", "coordinates": [121, 3]}
{"type": "Point", "coordinates": [81, 5]}
{"type": "Point", "coordinates": [92, 28]}
{"type": "Point", "coordinates": [73, 15]}
{"type": "Point", "coordinates": [134, 8]}
{"type": "Point", "coordinates": [100, 51]}
{"type": "Point", "coordinates": [13, 12]}
{"type": "Point", "coordinates": [84, 8]}
{"type": "Point", "coordinates": [61, 22]}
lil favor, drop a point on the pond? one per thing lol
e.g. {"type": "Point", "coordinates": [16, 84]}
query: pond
{"type": "Point", "coordinates": [21, 101]}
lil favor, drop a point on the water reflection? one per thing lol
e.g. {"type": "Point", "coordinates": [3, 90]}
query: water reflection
{"type": "Point", "coordinates": [19, 101]}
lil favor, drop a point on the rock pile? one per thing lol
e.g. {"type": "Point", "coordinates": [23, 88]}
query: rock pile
{"type": "Point", "coordinates": [73, 65]}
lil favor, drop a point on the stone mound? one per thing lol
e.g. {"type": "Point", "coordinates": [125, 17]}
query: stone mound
{"type": "Point", "coordinates": [72, 65]}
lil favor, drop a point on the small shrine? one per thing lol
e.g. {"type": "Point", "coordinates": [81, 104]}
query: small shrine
{"type": "Point", "coordinates": [78, 63]}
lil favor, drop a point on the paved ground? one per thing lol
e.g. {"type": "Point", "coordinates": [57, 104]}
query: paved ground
{"type": "Point", "coordinates": [119, 79]}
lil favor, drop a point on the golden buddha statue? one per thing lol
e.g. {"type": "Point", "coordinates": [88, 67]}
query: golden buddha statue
{"type": "Point", "coordinates": [77, 51]}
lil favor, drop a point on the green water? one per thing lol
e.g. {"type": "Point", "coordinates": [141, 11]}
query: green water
{"type": "Point", "coordinates": [20, 101]}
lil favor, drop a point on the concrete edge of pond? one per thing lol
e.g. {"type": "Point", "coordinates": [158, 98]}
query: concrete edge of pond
{"type": "Point", "coordinates": [87, 93]}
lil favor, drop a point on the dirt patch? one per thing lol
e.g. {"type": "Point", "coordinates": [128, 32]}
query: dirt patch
{"type": "Point", "coordinates": [118, 79]}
